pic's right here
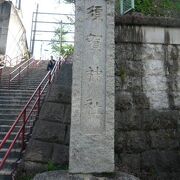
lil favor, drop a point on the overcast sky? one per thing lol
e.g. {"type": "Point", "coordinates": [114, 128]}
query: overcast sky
{"type": "Point", "coordinates": [48, 6]}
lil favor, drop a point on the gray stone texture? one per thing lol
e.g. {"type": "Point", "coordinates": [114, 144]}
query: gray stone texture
{"type": "Point", "coordinates": [62, 175]}
{"type": "Point", "coordinates": [147, 99]}
{"type": "Point", "coordinates": [50, 136]}
{"type": "Point", "coordinates": [92, 120]}
{"type": "Point", "coordinates": [147, 140]}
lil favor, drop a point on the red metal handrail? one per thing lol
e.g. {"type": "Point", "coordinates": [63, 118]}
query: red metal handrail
{"type": "Point", "coordinates": [47, 80]}
{"type": "Point", "coordinates": [18, 71]}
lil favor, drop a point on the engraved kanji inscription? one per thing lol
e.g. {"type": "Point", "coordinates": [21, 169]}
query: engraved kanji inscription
{"type": "Point", "coordinates": [94, 73]}
{"type": "Point", "coordinates": [95, 41]}
{"type": "Point", "coordinates": [95, 12]}
{"type": "Point", "coordinates": [94, 110]}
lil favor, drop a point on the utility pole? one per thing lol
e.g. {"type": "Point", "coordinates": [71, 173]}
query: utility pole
{"type": "Point", "coordinates": [35, 26]}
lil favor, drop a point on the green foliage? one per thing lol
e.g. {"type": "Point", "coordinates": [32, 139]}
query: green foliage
{"type": "Point", "coordinates": [165, 8]}
{"type": "Point", "coordinates": [67, 50]}
{"type": "Point", "coordinates": [117, 6]}
{"type": "Point", "coordinates": [58, 47]}
{"type": "Point", "coordinates": [26, 177]}
{"type": "Point", "coordinates": [145, 6]}
{"type": "Point", "coordinates": [122, 74]}
{"type": "Point", "coordinates": [53, 167]}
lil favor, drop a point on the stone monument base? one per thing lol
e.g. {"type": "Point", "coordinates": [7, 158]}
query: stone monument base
{"type": "Point", "coordinates": [64, 175]}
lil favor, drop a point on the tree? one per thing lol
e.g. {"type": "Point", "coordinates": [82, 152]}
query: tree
{"type": "Point", "coordinates": [58, 46]}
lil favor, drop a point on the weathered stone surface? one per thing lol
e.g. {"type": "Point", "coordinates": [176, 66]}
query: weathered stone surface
{"type": "Point", "coordinates": [137, 141]}
{"type": "Point", "coordinates": [29, 168]}
{"type": "Point", "coordinates": [164, 139]}
{"type": "Point", "coordinates": [140, 101]}
{"type": "Point", "coordinates": [147, 21]}
{"type": "Point", "coordinates": [153, 52]}
{"type": "Point", "coordinates": [50, 137]}
{"type": "Point", "coordinates": [128, 120]}
{"type": "Point", "coordinates": [61, 175]}
{"type": "Point", "coordinates": [120, 141]}
{"type": "Point", "coordinates": [160, 175]}
{"type": "Point", "coordinates": [125, 34]}
{"type": "Point", "coordinates": [153, 119]}
{"type": "Point", "coordinates": [126, 83]}
{"type": "Point", "coordinates": [60, 154]}
{"type": "Point", "coordinates": [123, 101]}
{"type": "Point", "coordinates": [129, 68]}
{"type": "Point", "coordinates": [38, 151]}
{"type": "Point", "coordinates": [130, 162]}
{"type": "Point", "coordinates": [161, 161]}
{"type": "Point", "coordinates": [132, 141]}
{"type": "Point", "coordinates": [59, 93]}
{"type": "Point", "coordinates": [92, 126]}
{"type": "Point", "coordinates": [49, 131]}
{"type": "Point", "coordinates": [52, 112]}
{"type": "Point", "coordinates": [67, 114]}
{"type": "Point", "coordinates": [67, 135]}
{"type": "Point", "coordinates": [122, 52]}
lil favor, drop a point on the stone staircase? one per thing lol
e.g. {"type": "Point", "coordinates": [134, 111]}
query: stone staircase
{"type": "Point", "coordinates": [12, 101]}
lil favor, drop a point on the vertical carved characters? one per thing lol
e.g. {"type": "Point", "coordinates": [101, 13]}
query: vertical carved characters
{"type": "Point", "coordinates": [94, 12]}
{"type": "Point", "coordinates": [95, 41]}
{"type": "Point", "coordinates": [92, 122]}
{"type": "Point", "coordinates": [93, 73]}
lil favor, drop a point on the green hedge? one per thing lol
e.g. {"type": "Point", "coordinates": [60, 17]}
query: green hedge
{"type": "Point", "coordinates": [165, 8]}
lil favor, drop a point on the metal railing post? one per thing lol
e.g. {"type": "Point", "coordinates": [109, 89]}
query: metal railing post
{"type": "Point", "coordinates": [28, 68]}
{"type": "Point", "coordinates": [19, 77]}
{"type": "Point", "coordinates": [1, 73]}
{"type": "Point", "coordinates": [9, 81]}
{"type": "Point", "coordinates": [23, 130]}
{"type": "Point", "coordinates": [39, 99]}
{"type": "Point", "coordinates": [26, 115]}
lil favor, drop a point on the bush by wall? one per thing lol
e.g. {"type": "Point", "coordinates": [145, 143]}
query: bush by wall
{"type": "Point", "coordinates": [164, 8]}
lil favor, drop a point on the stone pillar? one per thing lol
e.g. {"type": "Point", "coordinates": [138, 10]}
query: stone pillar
{"type": "Point", "coordinates": [92, 120]}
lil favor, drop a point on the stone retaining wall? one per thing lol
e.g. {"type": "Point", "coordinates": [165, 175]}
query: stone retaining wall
{"type": "Point", "coordinates": [49, 145]}
{"type": "Point", "coordinates": [147, 105]}
{"type": "Point", "coordinates": [148, 97]}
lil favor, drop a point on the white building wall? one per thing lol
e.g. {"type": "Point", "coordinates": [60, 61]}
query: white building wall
{"type": "Point", "coordinates": [16, 40]}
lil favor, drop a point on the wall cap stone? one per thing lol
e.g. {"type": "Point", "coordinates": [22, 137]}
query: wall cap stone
{"type": "Point", "coordinates": [147, 21]}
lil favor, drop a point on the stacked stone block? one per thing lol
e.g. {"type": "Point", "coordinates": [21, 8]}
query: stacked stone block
{"type": "Point", "coordinates": [147, 100]}
{"type": "Point", "coordinates": [49, 145]}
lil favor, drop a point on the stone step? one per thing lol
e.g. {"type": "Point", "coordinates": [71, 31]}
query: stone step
{"type": "Point", "coordinates": [18, 91]}
{"type": "Point", "coordinates": [5, 174]}
{"type": "Point", "coordinates": [14, 102]}
{"type": "Point", "coordinates": [9, 116]}
{"type": "Point", "coordinates": [18, 144]}
{"type": "Point", "coordinates": [10, 163]}
{"type": "Point", "coordinates": [9, 111]}
{"type": "Point", "coordinates": [14, 152]}
{"type": "Point", "coordinates": [9, 107]}
{"type": "Point", "coordinates": [5, 128]}
{"type": "Point", "coordinates": [7, 122]}
{"type": "Point", "coordinates": [31, 82]}
{"type": "Point", "coordinates": [13, 134]}
{"type": "Point", "coordinates": [14, 97]}
{"type": "Point", "coordinates": [15, 94]}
